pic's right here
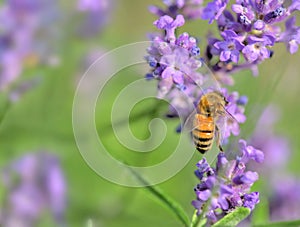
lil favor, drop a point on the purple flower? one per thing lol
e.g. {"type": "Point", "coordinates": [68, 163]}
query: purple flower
{"type": "Point", "coordinates": [226, 21]}
{"type": "Point", "coordinates": [256, 49]}
{"type": "Point", "coordinates": [213, 10]}
{"type": "Point", "coordinates": [249, 152]}
{"type": "Point", "coordinates": [178, 64]}
{"type": "Point", "coordinates": [175, 65]}
{"type": "Point", "coordinates": [40, 186]}
{"type": "Point", "coordinates": [255, 25]}
{"type": "Point", "coordinates": [251, 199]}
{"type": "Point", "coordinates": [169, 25]}
{"type": "Point", "coordinates": [231, 46]}
{"type": "Point", "coordinates": [187, 42]}
{"type": "Point", "coordinates": [291, 37]}
{"type": "Point", "coordinates": [244, 10]}
{"type": "Point", "coordinates": [224, 187]}
{"type": "Point", "coordinates": [246, 178]}
{"type": "Point", "coordinates": [203, 168]}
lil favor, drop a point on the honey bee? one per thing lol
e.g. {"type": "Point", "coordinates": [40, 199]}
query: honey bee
{"type": "Point", "coordinates": [210, 107]}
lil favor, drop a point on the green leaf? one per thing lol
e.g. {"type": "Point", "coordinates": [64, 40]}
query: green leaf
{"type": "Point", "coordinates": [294, 223]}
{"type": "Point", "coordinates": [233, 218]}
{"type": "Point", "coordinates": [169, 203]}
{"type": "Point", "coordinates": [197, 221]}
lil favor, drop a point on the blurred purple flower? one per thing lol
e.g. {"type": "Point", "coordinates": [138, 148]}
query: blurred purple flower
{"type": "Point", "coordinates": [224, 187]}
{"type": "Point", "coordinates": [28, 36]}
{"type": "Point", "coordinates": [96, 14]}
{"type": "Point", "coordinates": [33, 184]}
{"type": "Point", "coordinates": [190, 9]}
{"type": "Point", "coordinates": [291, 37]}
{"type": "Point", "coordinates": [276, 148]}
{"type": "Point", "coordinates": [92, 5]}
{"type": "Point", "coordinates": [284, 201]}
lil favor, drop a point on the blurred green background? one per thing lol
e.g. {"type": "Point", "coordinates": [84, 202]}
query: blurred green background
{"type": "Point", "coordinates": [42, 120]}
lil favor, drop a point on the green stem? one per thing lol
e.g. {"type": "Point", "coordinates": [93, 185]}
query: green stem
{"type": "Point", "coordinates": [5, 109]}
{"type": "Point", "coordinates": [170, 203]}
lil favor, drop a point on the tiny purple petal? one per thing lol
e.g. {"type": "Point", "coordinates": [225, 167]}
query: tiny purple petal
{"type": "Point", "coordinates": [197, 204]}
{"type": "Point", "coordinates": [247, 178]}
{"type": "Point", "coordinates": [225, 55]}
{"type": "Point", "coordinates": [203, 195]}
{"type": "Point", "coordinates": [235, 55]}
{"type": "Point", "coordinates": [243, 100]}
{"type": "Point", "coordinates": [221, 161]}
{"type": "Point", "coordinates": [178, 77]}
{"type": "Point", "coordinates": [179, 21]}
{"type": "Point", "coordinates": [163, 22]}
{"type": "Point", "coordinates": [164, 86]}
{"type": "Point", "coordinates": [168, 72]}
{"type": "Point", "coordinates": [223, 202]}
{"type": "Point", "coordinates": [259, 25]}
{"type": "Point", "coordinates": [250, 200]}
{"type": "Point", "coordinates": [293, 46]}
{"type": "Point", "coordinates": [237, 8]}
{"type": "Point", "coordinates": [235, 200]}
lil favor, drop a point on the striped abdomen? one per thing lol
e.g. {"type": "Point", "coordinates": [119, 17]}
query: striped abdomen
{"type": "Point", "coordinates": [203, 133]}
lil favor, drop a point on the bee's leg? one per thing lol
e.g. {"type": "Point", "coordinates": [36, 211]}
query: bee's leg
{"type": "Point", "coordinates": [218, 138]}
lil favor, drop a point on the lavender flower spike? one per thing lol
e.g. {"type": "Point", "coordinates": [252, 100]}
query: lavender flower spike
{"type": "Point", "coordinates": [40, 187]}
{"type": "Point", "coordinates": [224, 187]}
{"type": "Point", "coordinates": [169, 24]}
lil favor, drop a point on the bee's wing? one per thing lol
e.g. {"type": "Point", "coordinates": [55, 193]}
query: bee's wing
{"type": "Point", "coordinates": [209, 82]}
{"type": "Point", "coordinates": [224, 122]}
{"type": "Point", "coordinates": [190, 124]}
